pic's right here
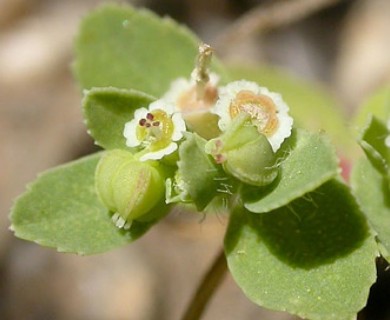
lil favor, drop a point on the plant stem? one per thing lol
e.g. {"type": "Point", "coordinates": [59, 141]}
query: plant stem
{"type": "Point", "coordinates": [267, 17]}
{"type": "Point", "coordinates": [206, 289]}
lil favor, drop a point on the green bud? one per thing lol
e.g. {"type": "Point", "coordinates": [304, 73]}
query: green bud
{"type": "Point", "coordinates": [245, 153]}
{"type": "Point", "coordinates": [128, 187]}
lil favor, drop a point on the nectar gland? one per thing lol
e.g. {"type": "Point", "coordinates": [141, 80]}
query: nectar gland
{"type": "Point", "coordinates": [261, 109]}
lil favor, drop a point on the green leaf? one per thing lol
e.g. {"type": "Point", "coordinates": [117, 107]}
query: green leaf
{"type": "Point", "coordinates": [307, 161]}
{"type": "Point", "coordinates": [373, 144]}
{"type": "Point", "coordinates": [314, 258]}
{"type": "Point", "coordinates": [311, 106]}
{"type": "Point", "coordinates": [373, 194]}
{"type": "Point", "coordinates": [106, 111]}
{"type": "Point", "coordinates": [61, 210]}
{"type": "Point", "coordinates": [123, 47]}
{"type": "Point", "coordinates": [201, 177]}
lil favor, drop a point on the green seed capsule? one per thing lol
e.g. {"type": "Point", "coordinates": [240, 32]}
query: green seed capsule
{"type": "Point", "coordinates": [245, 153]}
{"type": "Point", "coordinates": [128, 187]}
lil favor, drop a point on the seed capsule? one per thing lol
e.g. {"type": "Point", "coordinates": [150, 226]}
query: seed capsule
{"type": "Point", "coordinates": [245, 153]}
{"type": "Point", "coordinates": [128, 187]}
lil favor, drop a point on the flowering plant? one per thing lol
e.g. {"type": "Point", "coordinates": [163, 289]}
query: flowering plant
{"type": "Point", "coordinates": [299, 239]}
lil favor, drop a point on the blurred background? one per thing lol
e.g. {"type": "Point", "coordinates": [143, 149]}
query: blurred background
{"type": "Point", "coordinates": [343, 45]}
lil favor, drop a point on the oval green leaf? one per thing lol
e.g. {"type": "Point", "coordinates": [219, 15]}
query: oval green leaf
{"type": "Point", "coordinates": [61, 210]}
{"type": "Point", "coordinates": [314, 258]}
{"type": "Point", "coordinates": [123, 47]}
{"type": "Point", "coordinates": [373, 194]}
{"type": "Point", "coordinates": [106, 110]}
{"type": "Point", "coordinates": [307, 161]}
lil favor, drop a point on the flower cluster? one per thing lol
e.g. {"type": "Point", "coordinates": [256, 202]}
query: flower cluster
{"type": "Point", "coordinates": [199, 106]}
{"type": "Point", "coordinates": [237, 130]}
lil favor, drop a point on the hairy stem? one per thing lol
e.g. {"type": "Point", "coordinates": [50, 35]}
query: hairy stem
{"type": "Point", "coordinates": [267, 17]}
{"type": "Point", "coordinates": [206, 289]}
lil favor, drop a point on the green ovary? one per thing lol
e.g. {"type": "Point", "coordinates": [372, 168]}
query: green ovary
{"type": "Point", "coordinates": [127, 186]}
{"type": "Point", "coordinates": [156, 130]}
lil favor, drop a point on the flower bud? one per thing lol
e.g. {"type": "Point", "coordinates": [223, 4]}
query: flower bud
{"type": "Point", "coordinates": [128, 187]}
{"type": "Point", "coordinates": [245, 153]}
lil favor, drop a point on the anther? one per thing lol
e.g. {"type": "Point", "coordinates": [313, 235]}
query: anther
{"type": "Point", "coordinates": [156, 123]}
{"type": "Point", "coordinates": [142, 122]}
{"type": "Point", "coordinates": [149, 116]}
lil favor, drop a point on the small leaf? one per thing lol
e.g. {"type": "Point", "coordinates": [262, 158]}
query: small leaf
{"type": "Point", "coordinates": [127, 48]}
{"type": "Point", "coordinates": [61, 210]}
{"type": "Point", "coordinates": [373, 144]}
{"type": "Point", "coordinates": [373, 194]}
{"type": "Point", "coordinates": [199, 172]}
{"type": "Point", "coordinates": [314, 257]}
{"type": "Point", "coordinates": [106, 111]}
{"type": "Point", "coordinates": [309, 161]}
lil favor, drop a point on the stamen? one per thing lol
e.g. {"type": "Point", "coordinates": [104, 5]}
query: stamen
{"type": "Point", "coordinates": [120, 222]}
{"type": "Point", "coordinates": [148, 125]}
{"type": "Point", "coordinates": [142, 122]}
{"type": "Point", "coordinates": [149, 116]}
{"type": "Point", "coordinates": [127, 225]}
{"type": "Point", "coordinates": [156, 123]}
{"type": "Point", "coordinates": [115, 217]}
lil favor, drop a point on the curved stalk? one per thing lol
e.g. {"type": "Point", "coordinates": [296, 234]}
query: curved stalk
{"type": "Point", "coordinates": [268, 17]}
{"type": "Point", "coordinates": [206, 289]}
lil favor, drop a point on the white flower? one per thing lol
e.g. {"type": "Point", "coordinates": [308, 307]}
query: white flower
{"type": "Point", "coordinates": [195, 102]}
{"type": "Point", "coordinates": [182, 95]}
{"type": "Point", "coordinates": [156, 130]}
{"type": "Point", "coordinates": [268, 111]}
